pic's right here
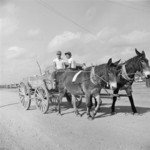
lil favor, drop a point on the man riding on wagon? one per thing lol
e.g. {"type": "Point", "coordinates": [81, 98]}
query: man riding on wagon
{"type": "Point", "coordinates": [59, 65]}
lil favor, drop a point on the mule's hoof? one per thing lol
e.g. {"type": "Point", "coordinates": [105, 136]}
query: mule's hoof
{"type": "Point", "coordinates": [59, 114]}
{"type": "Point", "coordinates": [93, 115]}
{"type": "Point", "coordinates": [90, 118]}
{"type": "Point", "coordinates": [135, 113]}
{"type": "Point", "coordinates": [79, 115]}
{"type": "Point", "coordinates": [113, 113]}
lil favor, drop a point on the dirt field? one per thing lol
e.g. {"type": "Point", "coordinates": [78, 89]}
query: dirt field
{"type": "Point", "coordinates": [31, 130]}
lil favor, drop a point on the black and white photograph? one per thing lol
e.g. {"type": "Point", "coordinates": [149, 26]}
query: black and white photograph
{"type": "Point", "coordinates": [74, 75]}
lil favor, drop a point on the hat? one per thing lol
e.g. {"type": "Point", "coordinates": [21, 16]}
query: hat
{"type": "Point", "coordinates": [68, 53]}
{"type": "Point", "coordinates": [58, 53]}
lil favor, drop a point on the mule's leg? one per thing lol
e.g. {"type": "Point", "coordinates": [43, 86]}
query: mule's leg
{"type": "Point", "coordinates": [98, 101]}
{"type": "Point", "coordinates": [75, 106]}
{"type": "Point", "coordinates": [59, 103]}
{"type": "Point", "coordinates": [88, 105]}
{"type": "Point", "coordinates": [129, 92]}
{"type": "Point", "coordinates": [114, 101]}
{"type": "Point", "coordinates": [95, 101]}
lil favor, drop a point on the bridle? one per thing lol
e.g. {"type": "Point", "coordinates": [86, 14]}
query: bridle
{"type": "Point", "coordinates": [140, 64]}
{"type": "Point", "coordinates": [124, 73]}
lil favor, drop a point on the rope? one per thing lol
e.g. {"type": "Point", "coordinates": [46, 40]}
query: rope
{"type": "Point", "coordinates": [102, 79]}
{"type": "Point", "coordinates": [107, 91]}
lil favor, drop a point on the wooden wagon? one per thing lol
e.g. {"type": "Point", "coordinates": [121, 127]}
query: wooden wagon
{"type": "Point", "coordinates": [38, 88]}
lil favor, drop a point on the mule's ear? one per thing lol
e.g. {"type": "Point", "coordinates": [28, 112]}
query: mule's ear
{"type": "Point", "coordinates": [117, 62]}
{"type": "Point", "coordinates": [109, 62]}
{"type": "Point", "coordinates": [137, 52]}
{"type": "Point", "coordinates": [143, 53]}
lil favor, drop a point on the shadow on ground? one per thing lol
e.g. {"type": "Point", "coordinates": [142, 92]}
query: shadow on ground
{"type": "Point", "coordinates": [106, 111]}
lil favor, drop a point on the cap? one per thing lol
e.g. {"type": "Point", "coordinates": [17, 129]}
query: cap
{"type": "Point", "coordinates": [58, 53]}
{"type": "Point", "coordinates": [68, 53]}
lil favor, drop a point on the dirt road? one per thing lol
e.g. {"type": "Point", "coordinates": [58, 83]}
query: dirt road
{"type": "Point", "coordinates": [31, 130]}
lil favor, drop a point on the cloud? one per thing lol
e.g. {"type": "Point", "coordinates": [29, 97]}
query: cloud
{"type": "Point", "coordinates": [8, 22]}
{"type": "Point", "coordinates": [135, 37]}
{"type": "Point", "coordinates": [107, 43]}
{"type": "Point", "coordinates": [8, 26]}
{"type": "Point", "coordinates": [14, 52]}
{"type": "Point", "coordinates": [127, 51]}
{"type": "Point", "coordinates": [33, 32]}
{"type": "Point", "coordinates": [68, 37]}
{"type": "Point", "coordinates": [62, 39]}
{"type": "Point", "coordinates": [107, 33]}
{"type": "Point", "coordinates": [3, 2]}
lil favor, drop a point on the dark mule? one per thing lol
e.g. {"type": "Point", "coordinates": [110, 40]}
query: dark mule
{"type": "Point", "coordinates": [89, 83]}
{"type": "Point", "coordinates": [126, 76]}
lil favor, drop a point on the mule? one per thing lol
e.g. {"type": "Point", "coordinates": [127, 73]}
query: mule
{"type": "Point", "coordinates": [125, 78]}
{"type": "Point", "coordinates": [89, 83]}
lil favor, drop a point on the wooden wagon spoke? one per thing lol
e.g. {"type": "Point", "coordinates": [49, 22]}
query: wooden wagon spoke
{"type": "Point", "coordinates": [41, 97]}
{"type": "Point", "coordinates": [22, 92]}
{"type": "Point", "coordinates": [25, 97]}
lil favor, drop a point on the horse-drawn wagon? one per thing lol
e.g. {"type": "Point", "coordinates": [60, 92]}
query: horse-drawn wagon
{"type": "Point", "coordinates": [89, 84]}
{"type": "Point", "coordinates": [38, 88]}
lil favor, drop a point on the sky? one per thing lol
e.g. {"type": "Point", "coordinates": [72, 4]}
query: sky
{"type": "Point", "coordinates": [93, 30]}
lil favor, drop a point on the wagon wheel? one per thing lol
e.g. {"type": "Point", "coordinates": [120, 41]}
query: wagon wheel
{"type": "Point", "coordinates": [25, 96]}
{"type": "Point", "coordinates": [42, 99]}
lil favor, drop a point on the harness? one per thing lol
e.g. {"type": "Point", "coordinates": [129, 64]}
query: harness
{"type": "Point", "coordinates": [124, 73]}
{"type": "Point", "coordinates": [75, 76]}
{"type": "Point", "coordinates": [93, 77]}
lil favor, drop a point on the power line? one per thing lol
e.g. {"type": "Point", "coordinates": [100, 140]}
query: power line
{"type": "Point", "coordinates": [50, 8]}
{"type": "Point", "coordinates": [129, 6]}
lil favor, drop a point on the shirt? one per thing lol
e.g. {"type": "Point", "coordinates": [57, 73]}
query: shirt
{"type": "Point", "coordinates": [72, 62]}
{"type": "Point", "coordinates": [60, 63]}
